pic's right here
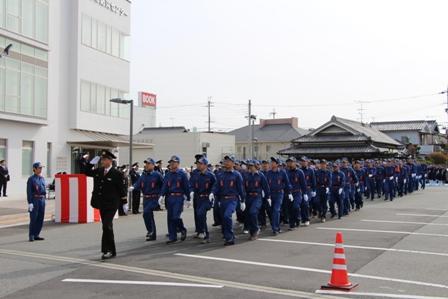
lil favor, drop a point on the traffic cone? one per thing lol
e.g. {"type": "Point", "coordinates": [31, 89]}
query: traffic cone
{"type": "Point", "coordinates": [339, 275]}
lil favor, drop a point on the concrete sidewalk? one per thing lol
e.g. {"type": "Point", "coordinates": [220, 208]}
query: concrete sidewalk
{"type": "Point", "coordinates": [14, 210]}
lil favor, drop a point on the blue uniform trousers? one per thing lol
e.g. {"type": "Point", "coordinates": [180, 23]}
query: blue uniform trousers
{"type": "Point", "coordinates": [389, 189]}
{"type": "Point", "coordinates": [217, 212]}
{"type": "Point", "coordinates": [37, 217]}
{"type": "Point", "coordinates": [338, 199]}
{"type": "Point", "coordinates": [264, 210]}
{"type": "Point", "coordinates": [277, 199]}
{"type": "Point", "coordinates": [149, 205]}
{"type": "Point", "coordinates": [174, 206]}
{"type": "Point", "coordinates": [322, 198]}
{"type": "Point", "coordinates": [305, 208]}
{"type": "Point", "coordinates": [346, 199]}
{"type": "Point", "coordinates": [228, 207]}
{"type": "Point", "coordinates": [294, 209]}
{"type": "Point", "coordinates": [379, 187]}
{"type": "Point", "coordinates": [203, 205]}
{"type": "Point", "coordinates": [253, 205]}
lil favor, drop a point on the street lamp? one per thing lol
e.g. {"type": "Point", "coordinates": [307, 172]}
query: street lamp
{"type": "Point", "coordinates": [131, 125]}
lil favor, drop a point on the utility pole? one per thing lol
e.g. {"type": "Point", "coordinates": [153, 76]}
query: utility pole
{"type": "Point", "coordinates": [209, 106]}
{"type": "Point", "coordinates": [361, 109]}
{"type": "Point", "coordinates": [273, 113]}
{"type": "Point", "coordinates": [446, 109]}
{"type": "Point", "coordinates": [251, 138]}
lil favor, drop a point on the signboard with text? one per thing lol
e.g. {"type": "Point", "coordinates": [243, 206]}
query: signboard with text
{"type": "Point", "coordinates": [147, 99]}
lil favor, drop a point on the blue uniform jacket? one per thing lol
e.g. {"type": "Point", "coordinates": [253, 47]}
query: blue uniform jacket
{"type": "Point", "coordinates": [323, 178]}
{"type": "Point", "coordinates": [350, 175]}
{"type": "Point", "coordinates": [35, 188]}
{"type": "Point", "coordinates": [297, 180]}
{"type": "Point", "coordinates": [149, 183]}
{"type": "Point", "coordinates": [229, 184]}
{"type": "Point", "coordinates": [255, 183]}
{"type": "Point", "coordinates": [278, 181]}
{"type": "Point", "coordinates": [310, 178]}
{"type": "Point", "coordinates": [202, 183]}
{"type": "Point", "coordinates": [337, 179]}
{"type": "Point", "coordinates": [176, 184]}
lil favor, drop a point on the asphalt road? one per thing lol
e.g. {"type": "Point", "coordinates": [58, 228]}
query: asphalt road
{"type": "Point", "coordinates": [394, 250]}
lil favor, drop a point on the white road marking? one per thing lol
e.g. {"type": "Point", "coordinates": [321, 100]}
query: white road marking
{"type": "Point", "coordinates": [404, 222]}
{"type": "Point", "coordinates": [382, 231]}
{"type": "Point", "coordinates": [358, 247]}
{"type": "Point", "coordinates": [14, 225]}
{"type": "Point", "coordinates": [381, 295]}
{"type": "Point", "coordinates": [150, 283]}
{"type": "Point", "coordinates": [170, 275]}
{"type": "Point", "coordinates": [414, 282]}
{"type": "Point", "coordinates": [431, 209]}
{"type": "Point", "coordinates": [421, 215]}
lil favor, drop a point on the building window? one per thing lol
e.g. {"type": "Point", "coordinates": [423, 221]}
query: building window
{"type": "Point", "coordinates": [27, 157]}
{"type": "Point", "coordinates": [268, 149]}
{"type": "Point", "coordinates": [49, 150]}
{"type": "Point", "coordinates": [3, 149]}
{"type": "Point", "coordinates": [26, 17]}
{"type": "Point", "coordinates": [95, 98]}
{"type": "Point", "coordinates": [23, 84]}
{"type": "Point", "coordinates": [104, 38]}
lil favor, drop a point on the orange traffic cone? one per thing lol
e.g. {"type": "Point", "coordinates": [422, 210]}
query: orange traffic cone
{"type": "Point", "coordinates": [339, 275]}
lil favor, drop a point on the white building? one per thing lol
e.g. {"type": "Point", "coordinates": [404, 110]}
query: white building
{"type": "Point", "coordinates": [179, 141]}
{"type": "Point", "coordinates": [69, 58]}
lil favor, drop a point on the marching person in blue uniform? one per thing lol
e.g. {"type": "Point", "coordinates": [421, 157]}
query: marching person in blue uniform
{"type": "Point", "coordinates": [175, 191]}
{"type": "Point", "coordinates": [193, 173]}
{"type": "Point", "coordinates": [370, 180]}
{"type": "Point", "coordinates": [379, 179]}
{"type": "Point", "coordinates": [323, 184]}
{"type": "Point", "coordinates": [298, 191]}
{"type": "Point", "coordinates": [337, 190]}
{"type": "Point", "coordinates": [229, 189]}
{"type": "Point", "coordinates": [201, 186]}
{"type": "Point", "coordinates": [150, 184]}
{"type": "Point", "coordinates": [109, 192]}
{"type": "Point", "coordinates": [389, 178]}
{"type": "Point", "coordinates": [133, 173]}
{"type": "Point", "coordinates": [36, 192]}
{"type": "Point", "coordinates": [265, 208]}
{"type": "Point", "coordinates": [310, 192]}
{"type": "Point", "coordinates": [360, 189]}
{"type": "Point", "coordinates": [279, 185]}
{"type": "Point", "coordinates": [257, 190]}
{"type": "Point", "coordinates": [351, 181]}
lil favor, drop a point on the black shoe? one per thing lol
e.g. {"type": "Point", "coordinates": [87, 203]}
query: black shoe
{"type": "Point", "coordinates": [229, 243]}
{"type": "Point", "coordinates": [169, 242]}
{"type": "Point", "coordinates": [216, 224]}
{"type": "Point", "coordinates": [108, 255]}
{"type": "Point", "coordinates": [31, 239]}
{"type": "Point", "coordinates": [275, 233]}
{"type": "Point", "coordinates": [38, 239]}
{"type": "Point", "coordinates": [183, 235]}
{"type": "Point", "coordinates": [150, 238]}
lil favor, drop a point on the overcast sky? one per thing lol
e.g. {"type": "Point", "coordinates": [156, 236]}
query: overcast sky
{"type": "Point", "coordinates": [309, 59]}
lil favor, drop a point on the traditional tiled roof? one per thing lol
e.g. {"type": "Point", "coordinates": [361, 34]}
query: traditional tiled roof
{"type": "Point", "coordinates": [423, 126]}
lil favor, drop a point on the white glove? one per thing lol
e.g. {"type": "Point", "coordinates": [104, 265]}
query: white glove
{"type": "Point", "coordinates": [305, 197]}
{"type": "Point", "coordinates": [125, 208]}
{"type": "Point", "coordinates": [340, 191]}
{"type": "Point", "coordinates": [291, 198]}
{"type": "Point", "coordinates": [327, 190]}
{"type": "Point", "coordinates": [357, 184]}
{"type": "Point", "coordinates": [191, 195]}
{"type": "Point", "coordinates": [262, 193]}
{"type": "Point", "coordinates": [391, 178]}
{"type": "Point", "coordinates": [358, 190]}
{"type": "Point", "coordinates": [404, 181]}
{"type": "Point", "coordinates": [95, 160]}
{"type": "Point", "coordinates": [161, 201]}
{"type": "Point", "coordinates": [370, 175]}
{"type": "Point", "coordinates": [131, 188]}
{"type": "Point", "coordinates": [188, 204]}
{"type": "Point", "coordinates": [211, 197]}
{"type": "Point", "coordinates": [243, 206]}
{"type": "Point", "coordinates": [269, 201]}
{"type": "Point", "coordinates": [413, 175]}
{"type": "Point", "coordinates": [313, 194]}
{"type": "Point", "coordinates": [30, 207]}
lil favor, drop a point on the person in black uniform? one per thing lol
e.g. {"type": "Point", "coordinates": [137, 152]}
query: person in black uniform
{"type": "Point", "coordinates": [133, 173]}
{"type": "Point", "coordinates": [4, 178]}
{"type": "Point", "coordinates": [108, 194]}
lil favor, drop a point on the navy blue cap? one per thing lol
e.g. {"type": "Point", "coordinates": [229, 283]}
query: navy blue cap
{"type": "Point", "coordinates": [149, 160]}
{"type": "Point", "coordinates": [303, 159]}
{"type": "Point", "coordinates": [37, 165]}
{"type": "Point", "coordinates": [174, 159]}
{"type": "Point", "coordinates": [276, 160]}
{"type": "Point", "coordinates": [135, 164]}
{"type": "Point", "coordinates": [257, 162]}
{"type": "Point", "coordinates": [250, 162]}
{"type": "Point", "coordinates": [230, 158]}
{"type": "Point", "coordinates": [291, 159]}
{"type": "Point", "coordinates": [203, 160]}
{"type": "Point", "coordinates": [264, 162]}
{"type": "Point", "coordinates": [108, 155]}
